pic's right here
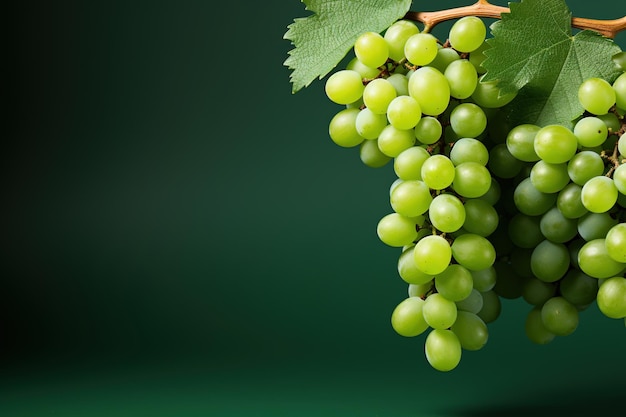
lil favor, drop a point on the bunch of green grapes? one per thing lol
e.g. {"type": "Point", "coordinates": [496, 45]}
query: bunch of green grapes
{"type": "Point", "coordinates": [477, 205]}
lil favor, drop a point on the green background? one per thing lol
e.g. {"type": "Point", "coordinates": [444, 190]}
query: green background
{"type": "Point", "coordinates": [181, 237]}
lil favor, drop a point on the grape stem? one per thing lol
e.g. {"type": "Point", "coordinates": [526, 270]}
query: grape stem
{"type": "Point", "coordinates": [482, 8]}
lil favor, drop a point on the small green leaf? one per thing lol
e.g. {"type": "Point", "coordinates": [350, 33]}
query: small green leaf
{"type": "Point", "coordinates": [533, 51]}
{"type": "Point", "coordinates": [323, 39]}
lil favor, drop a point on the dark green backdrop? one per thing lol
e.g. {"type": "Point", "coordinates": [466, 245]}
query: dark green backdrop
{"type": "Point", "coordinates": [181, 237]}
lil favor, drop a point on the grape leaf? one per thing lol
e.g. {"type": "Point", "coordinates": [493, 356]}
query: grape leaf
{"type": "Point", "coordinates": [533, 51]}
{"type": "Point", "coordinates": [323, 39]}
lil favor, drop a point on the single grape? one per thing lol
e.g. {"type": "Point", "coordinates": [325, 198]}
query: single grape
{"type": "Point", "coordinates": [371, 49]}
{"type": "Point", "coordinates": [502, 163]}
{"type": "Point", "coordinates": [438, 172]}
{"type": "Point", "coordinates": [595, 261]}
{"type": "Point", "coordinates": [555, 144]}
{"type": "Point", "coordinates": [443, 349]}
{"type": "Point", "coordinates": [471, 180]}
{"type": "Point", "coordinates": [471, 330]}
{"type": "Point", "coordinates": [531, 201]}
{"type": "Point", "coordinates": [615, 242]}
{"type": "Point", "coordinates": [378, 94]}
{"type": "Point", "coordinates": [599, 194]}
{"type": "Point", "coordinates": [595, 225]}
{"type": "Point", "coordinates": [404, 112]}
{"type": "Point", "coordinates": [520, 142]}
{"type": "Point", "coordinates": [584, 166]}
{"type": "Point", "coordinates": [612, 297]}
{"type": "Point", "coordinates": [428, 130]}
{"type": "Point", "coordinates": [484, 279]}
{"type": "Point", "coordinates": [344, 87]}
{"type": "Point", "coordinates": [488, 95]}
{"type": "Point", "coordinates": [432, 254]}
{"type": "Point", "coordinates": [408, 270]}
{"type": "Point", "coordinates": [569, 202]}
{"type": "Point", "coordinates": [474, 252]}
{"type": "Point", "coordinates": [596, 95]}
{"type": "Point", "coordinates": [396, 230]}
{"type": "Point", "coordinates": [420, 49]}
{"type": "Point", "coordinates": [371, 155]}
{"type": "Point", "coordinates": [462, 77]}
{"type": "Point", "coordinates": [444, 57]}
{"type": "Point", "coordinates": [556, 227]}
{"type": "Point", "coordinates": [619, 59]}
{"type": "Point", "coordinates": [396, 36]}
{"type": "Point", "coordinates": [550, 261]}
{"type": "Point", "coordinates": [534, 328]}
{"type": "Point", "coordinates": [477, 57]}
{"type": "Point", "coordinates": [400, 82]}
{"type": "Point", "coordinates": [536, 292]}
{"type": "Point", "coordinates": [455, 283]}
{"type": "Point", "coordinates": [467, 34]}
{"type": "Point", "coordinates": [591, 131]}
{"type": "Point", "coordinates": [431, 89]}
{"type": "Point", "coordinates": [473, 303]}
{"type": "Point", "coordinates": [619, 178]}
{"type": "Point", "coordinates": [408, 164]}
{"type": "Point", "coordinates": [365, 71]}
{"type": "Point", "coordinates": [468, 120]}
{"type": "Point", "coordinates": [392, 142]}
{"type": "Point", "coordinates": [369, 124]}
{"type": "Point", "coordinates": [525, 231]}
{"type": "Point", "coordinates": [578, 288]}
{"type": "Point", "coordinates": [559, 316]}
{"type": "Point", "coordinates": [492, 306]}
{"type": "Point", "coordinates": [619, 86]}
{"type": "Point", "coordinates": [439, 312]}
{"type": "Point", "coordinates": [469, 150]}
{"type": "Point", "coordinates": [407, 318]}
{"type": "Point", "coordinates": [342, 128]}
{"type": "Point", "coordinates": [549, 178]}
{"type": "Point", "coordinates": [411, 198]}
{"type": "Point", "coordinates": [481, 218]}
{"type": "Point", "coordinates": [419, 290]}
{"type": "Point", "coordinates": [446, 212]}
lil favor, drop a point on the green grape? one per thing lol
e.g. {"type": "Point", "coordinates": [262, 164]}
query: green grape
{"type": "Point", "coordinates": [599, 194]}
{"type": "Point", "coordinates": [550, 261]}
{"type": "Point", "coordinates": [432, 254]}
{"type": "Point", "coordinates": [536, 292]}
{"type": "Point", "coordinates": [596, 95]}
{"type": "Point", "coordinates": [591, 131]}
{"type": "Point", "coordinates": [392, 141]}
{"type": "Point", "coordinates": [431, 89]}
{"type": "Point", "coordinates": [595, 261]}
{"type": "Point", "coordinates": [488, 95]}
{"type": "Point", "coordinates": [396, 230]}
{"type": "Point", "coordinates": [584, 166]}
{"type": "Point", "coordinates": [469, 150]}
{"type": "Point", "coordinates": [462, 77]}
{"type": "Point", "coordinates": [443, 349]}
{"type": "Point", "coordinates": [420, 49]}
{"type": "Point", "coordinates": [492, 306]}
{"type": "Point", "coordinates": [404, 112]}
{"type": "Point", "coordinates": [477, 57]}
{"type": "Point", "coordinates": [468, 120]}
{"type": "Point", "coordinates": [471, 180]}
{"type": "Point", "coordinates": [428, 130]}
{"type": "Point", "coordinates": [595, 225]}
{"type": "Point", "coordinates": [535, 329]}
{"type": "Point", "coordinates": [481, 218]}
{"type": "Point", "coordinates": [569, 202]}
{"type": "Point", "coordinates": [531, 201]}
{"type": "Point", "coordinates": [549, 178]}
{"type": "Point", "coordinates": [411, 198]}
{"type": "Point", "coordinates": [400, 82]}
{"type": "Point", "coordinates": [474, 252]}
{"type": "Point", "coordinates": [520, 142]}
{"type": "Point", "coordinates": [615, 242]}
{"type": "Point", "coordinates": [408, 270]}
{"type": "Point", "coordinates": [407, 318]}
{"type": "Point", "coordinates": [612, 297]}
{"type": "Point", "coordinates": [556, 227]}
{"type": "Point", "coordinates": [396, 36]}
{"type": "Point", "coordinates": [619, 179]}
{"type": "Point", "coordinates": [365, 71]}
{"type": "Point", "coordinates": [369, 124]}
{"type": "Point", "coordinates": [467, 34]}
{"type": "Point", "coordinates": [502, 163]}
{"type": "Point", "coordinates": [578, 288]}
{"type": "Point", "coordinates": [438, 172]}
{"type": "Point", "coordinates": [619, 86]}
{"type": "Point", "coordinates": [484, 279]}
{"type": "Point", "coordinates": [419, 290]}
{"type": "Point", "coordinates": [444, 57]}
{"type": "Point", "coordinates": [371, 156]}
{"type": "Point", "coordinates": [525, 231]}
{"type": "Point", "coordinates": [408, 164]}
{"type": "Point", "coordinates": [619, 59]}
{"type": "Point", "coordinates": [612, 122]}
{"type": "Point", "coordinates": [371, 49]}
{"type": "Point", "coordinates": [342, 128]}
{"type": "Point", "coordinates": [439, 312]}
{"type": "Point", "coordinates": [621, 145]}
{"type": "Point", "coordinates": [559, 316]}
{"type": "Point", "coordinates": [455, 283]}
{"type": "Point", "coordinates": [446, 213]}
{"type": "Point", "coordinates": [493, 195]}
{"type": "Point", "coordinates": [473, 303]}
{"type": "Point", "coordinates": [555, 144]}
{"type": "Point", "coordinates": [344, 87]}
{"type": "Point", "coordinates": [377, 95]}
{"type": "Point", "coordinates": [471, 331]}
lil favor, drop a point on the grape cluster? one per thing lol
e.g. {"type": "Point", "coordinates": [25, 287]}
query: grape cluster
{"type": "Point", "coordinates": [482, 210]}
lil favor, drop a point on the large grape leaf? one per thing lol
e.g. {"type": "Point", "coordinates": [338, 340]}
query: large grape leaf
{"type": "Point", "coordinates": [534, 52]}
{"type": "Point", "coordinates": [323, 39]}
